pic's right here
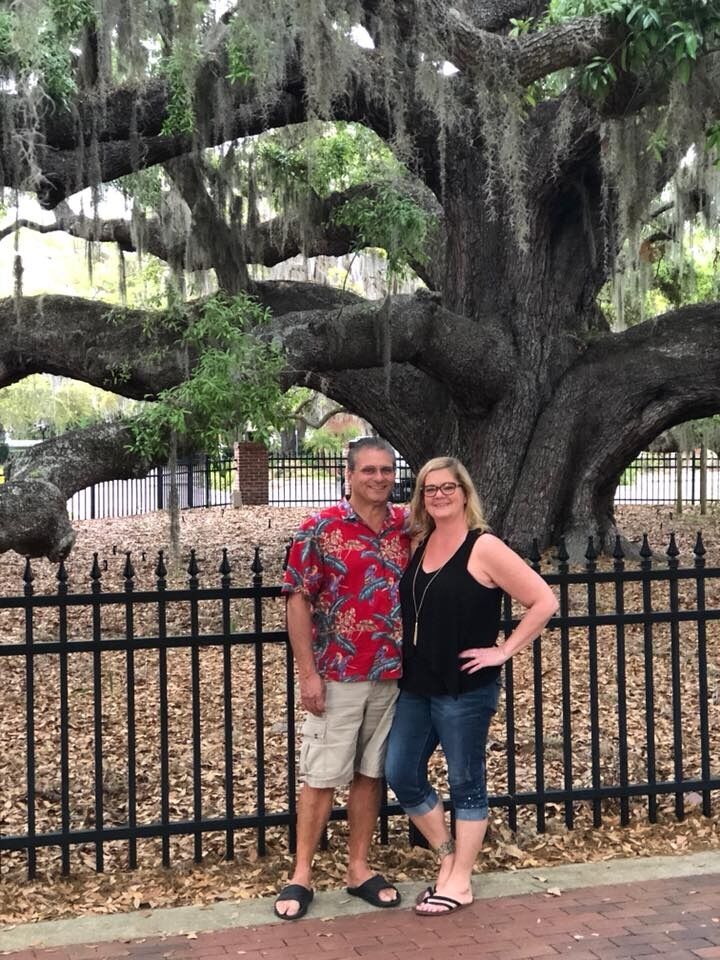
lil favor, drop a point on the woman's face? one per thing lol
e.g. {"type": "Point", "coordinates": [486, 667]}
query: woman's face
{"type": "Point", "coordinates": [443, 504]}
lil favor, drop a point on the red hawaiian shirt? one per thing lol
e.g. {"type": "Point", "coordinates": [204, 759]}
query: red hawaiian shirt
{"type": "Point", "coordinates": [351, 575]}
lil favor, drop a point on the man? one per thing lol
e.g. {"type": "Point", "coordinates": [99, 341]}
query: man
{"type": "Point", "coordinates": [343, 614]}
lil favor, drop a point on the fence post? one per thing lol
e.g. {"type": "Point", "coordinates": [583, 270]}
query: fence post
{"type": "Point", "coordinates": [251, 461]}
{"type": "Point", "coordinates": [190, 497]}
{"type": "Point", "coordinates": [703, 479]}
{"type": "Point", "coordinates": [678, 482]}
{"type": "Point", "coordinates": [160, 494]}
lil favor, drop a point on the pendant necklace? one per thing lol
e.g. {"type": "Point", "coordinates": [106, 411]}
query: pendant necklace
{"type": "Point", "coordinates": [416, 605]}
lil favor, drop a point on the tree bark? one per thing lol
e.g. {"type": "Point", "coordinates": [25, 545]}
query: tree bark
{"type": "Point", "coordinates": [507, 364]}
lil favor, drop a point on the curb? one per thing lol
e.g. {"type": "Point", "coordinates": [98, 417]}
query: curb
{"type": "Point", "coordinates": [170, 921]}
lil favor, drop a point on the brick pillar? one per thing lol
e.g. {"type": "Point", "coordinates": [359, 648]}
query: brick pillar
{"type": "Point", "coordinates": [251, 474]}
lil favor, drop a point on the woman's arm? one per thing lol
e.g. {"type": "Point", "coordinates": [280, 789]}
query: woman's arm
{"type": "Point", "coordinates": [493, 563]}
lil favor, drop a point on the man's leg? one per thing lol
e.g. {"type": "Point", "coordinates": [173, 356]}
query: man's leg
{"type": "Point", "coordinates": [366, 787]}
{"type": "Point", "coordinates": [313, 813]}
{"type": "Point", "coordinates": [363, 809]}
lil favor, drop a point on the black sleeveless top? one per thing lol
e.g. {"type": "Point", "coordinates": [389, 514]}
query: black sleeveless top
{"type": "Point", "coordinates": [455, 612]}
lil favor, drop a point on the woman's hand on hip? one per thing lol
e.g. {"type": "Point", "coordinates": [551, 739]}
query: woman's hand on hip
{"type": "Point", "coordinates": [477, 658]}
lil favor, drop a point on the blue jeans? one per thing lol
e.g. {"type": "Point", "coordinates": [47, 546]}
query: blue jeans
{"type": "Point", "coordinates": [460, 726]}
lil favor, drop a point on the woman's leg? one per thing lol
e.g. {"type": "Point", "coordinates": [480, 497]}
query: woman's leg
{"type": "Point", "coordinates": [463, 725]}
{"type": "Point", "coordinates": [412, 740]}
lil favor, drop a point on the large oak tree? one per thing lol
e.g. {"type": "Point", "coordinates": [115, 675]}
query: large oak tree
{"type": "Point", "coordinates": [533, 159]}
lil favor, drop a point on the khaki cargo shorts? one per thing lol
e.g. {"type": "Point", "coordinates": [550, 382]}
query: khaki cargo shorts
{"type": "Point", "coordinates": [351, 736]}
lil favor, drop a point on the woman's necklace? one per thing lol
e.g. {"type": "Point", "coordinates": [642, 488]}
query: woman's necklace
{"type": "Point", "coordinates": [416, 605]}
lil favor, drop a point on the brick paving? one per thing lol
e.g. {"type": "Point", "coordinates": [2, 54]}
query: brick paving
{"type": "Point", "coordinates": [668, 919]}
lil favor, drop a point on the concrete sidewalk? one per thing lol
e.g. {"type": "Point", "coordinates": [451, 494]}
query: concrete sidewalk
{"type": "Point", "coordinates": [664, 907]}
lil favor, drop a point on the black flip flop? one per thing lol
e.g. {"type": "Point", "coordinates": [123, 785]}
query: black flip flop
{"type": "Point", "coordinates": [370, 892]}
{"type": "Point", "coordinates": [424, 894]}
{"type": "Point", "coordinates": [437, 900]}
{"type": "Point", "coordinates": [294, 891]}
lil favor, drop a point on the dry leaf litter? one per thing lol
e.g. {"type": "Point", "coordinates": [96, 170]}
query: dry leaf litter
{"type": "Point", "coordinates": [248, 875]}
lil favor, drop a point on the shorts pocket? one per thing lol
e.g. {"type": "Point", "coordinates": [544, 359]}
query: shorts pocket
{"type": "Point", "coordinates": [314, 729]}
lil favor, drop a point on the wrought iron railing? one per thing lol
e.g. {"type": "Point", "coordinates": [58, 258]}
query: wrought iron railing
{"type": "Point", "coordinates": [173, 708]}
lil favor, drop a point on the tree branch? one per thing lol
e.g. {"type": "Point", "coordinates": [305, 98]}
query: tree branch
{"type": "Point", "coordinates": [537, 54]}
{"type": "Point", "coordinates": [477, 362]}
{"type": "Point", "coordinates": [209, 230]}
{"type": "Point", "coordinates": [108, 346]}
{"type": "Point", "coordinates": [81, 458]}
{"type": "Point", "coordinates": [212, 243]}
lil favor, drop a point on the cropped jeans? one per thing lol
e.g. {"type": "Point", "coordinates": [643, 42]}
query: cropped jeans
{"type": "Point", "coordinates": [460, 725]}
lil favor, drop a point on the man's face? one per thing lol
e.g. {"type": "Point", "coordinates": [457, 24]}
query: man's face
{"type": "Point", "coordinates": [372, 479]}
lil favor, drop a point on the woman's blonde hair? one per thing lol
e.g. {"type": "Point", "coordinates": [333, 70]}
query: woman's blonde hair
{"type": "Point", "coordinates": [421, 523]}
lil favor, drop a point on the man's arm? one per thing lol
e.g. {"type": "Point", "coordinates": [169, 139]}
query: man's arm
{"type": "Point", "coordinates": [299, 623]}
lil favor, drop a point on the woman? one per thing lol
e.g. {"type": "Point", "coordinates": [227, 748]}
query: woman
{"type": "Point", "coordinates": [451, 595]}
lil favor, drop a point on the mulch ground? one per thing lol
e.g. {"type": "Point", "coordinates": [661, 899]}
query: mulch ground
{"type": "Point", "coordinates": [249, 875]}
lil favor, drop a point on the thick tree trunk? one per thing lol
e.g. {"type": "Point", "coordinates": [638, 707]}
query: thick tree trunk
{"type": "Point", "coordinates": [34, 521]}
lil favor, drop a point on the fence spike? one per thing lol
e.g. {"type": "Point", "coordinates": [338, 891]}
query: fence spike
{"type": "Point", "coordinates": [256, 566]}
{"type": "Point", "coordinates": [672, 551]}
{"type": "Point", "coordinates": [128, 569]}
{"type": "Point", "coordinates": [562, 555]}
{"type": "Point", "coordinates": [161, 569]}
{"type": "Point", "coordinates": [699, 548]}
{"type": "Point", "coordinates": [95, 574]}
{"type": "Point", "coordinates": [193, 569]}
{"type": "Point", "coordinates": [114, 548]}
{"type": "Point", "coordinates": [62, 577]}
{"type": "Point", "coordinates": [618, 552]}
{"type": "Point", "coordinates": [28, 576]}
{"type": "Point", "coordinates": [534, 556]}
{"type": "Point", "coordinates": [288, 545]}
{"type": "Point", "coordinates": [645, 552]}
{"type": "Point", "coordinates": [591, 553]}
{"type": "Point", "coordinates": [105, 566]}
{"type": "Point", "coordinates": [225, 569]}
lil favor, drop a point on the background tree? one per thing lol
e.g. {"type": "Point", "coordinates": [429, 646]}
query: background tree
{"type": "Point", "coordinates": [532, 140]}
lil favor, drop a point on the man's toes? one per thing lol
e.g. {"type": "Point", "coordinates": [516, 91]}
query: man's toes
{"type": "Point", "coordinates": [288, 908]}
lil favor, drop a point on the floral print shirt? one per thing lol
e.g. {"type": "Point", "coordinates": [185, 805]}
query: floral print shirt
{"type": "Point", "coordinates": [350, 575]}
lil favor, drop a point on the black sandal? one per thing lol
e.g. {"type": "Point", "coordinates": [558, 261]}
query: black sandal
{"type": "Point", "coordinates": [294, 891]}
{"type": "Point", "coordinates": [370, 892]}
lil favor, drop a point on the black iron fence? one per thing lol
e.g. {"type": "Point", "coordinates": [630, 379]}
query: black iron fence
{"type": "Point", "coordinates": [201, 482]}
{"type": "Point", "coordinates": [673, 478]}
{"type": "Point", "coordinates": [317, 480]}
{"type": "Point", "coordinates": [151, 712]}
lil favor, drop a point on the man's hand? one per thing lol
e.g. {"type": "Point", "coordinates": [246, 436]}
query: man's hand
{"type": "Point", "coordinates": [312, 693]}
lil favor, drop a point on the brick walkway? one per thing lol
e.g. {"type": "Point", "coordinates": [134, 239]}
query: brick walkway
{"type": "Point", "coordinates": [676, 919]}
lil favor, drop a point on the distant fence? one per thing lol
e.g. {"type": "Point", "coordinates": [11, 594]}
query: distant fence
{"type": "Point", "coordinates": [309, 481]}
{"type": "Point", "coordinates": [318, 479]}
{"type": "Point", "coordinates": [201, 482]}
{"type": "Point", "coordinates": [142, 714]}
{"type": "Point", "coordinates": [682, 479]}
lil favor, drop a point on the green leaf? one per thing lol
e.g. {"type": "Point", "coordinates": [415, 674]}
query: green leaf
{"type": "Point", "coordinates": [683, 71]}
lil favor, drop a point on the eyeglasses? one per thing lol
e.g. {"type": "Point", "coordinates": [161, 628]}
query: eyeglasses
{"type": "Point", "coordinates": [372, 471]}
{"type": "Point", "coordinates": [447, 489]}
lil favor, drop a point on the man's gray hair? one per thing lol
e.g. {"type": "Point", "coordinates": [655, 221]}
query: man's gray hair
{"type": "Point", "coordinates": [367, 443]}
